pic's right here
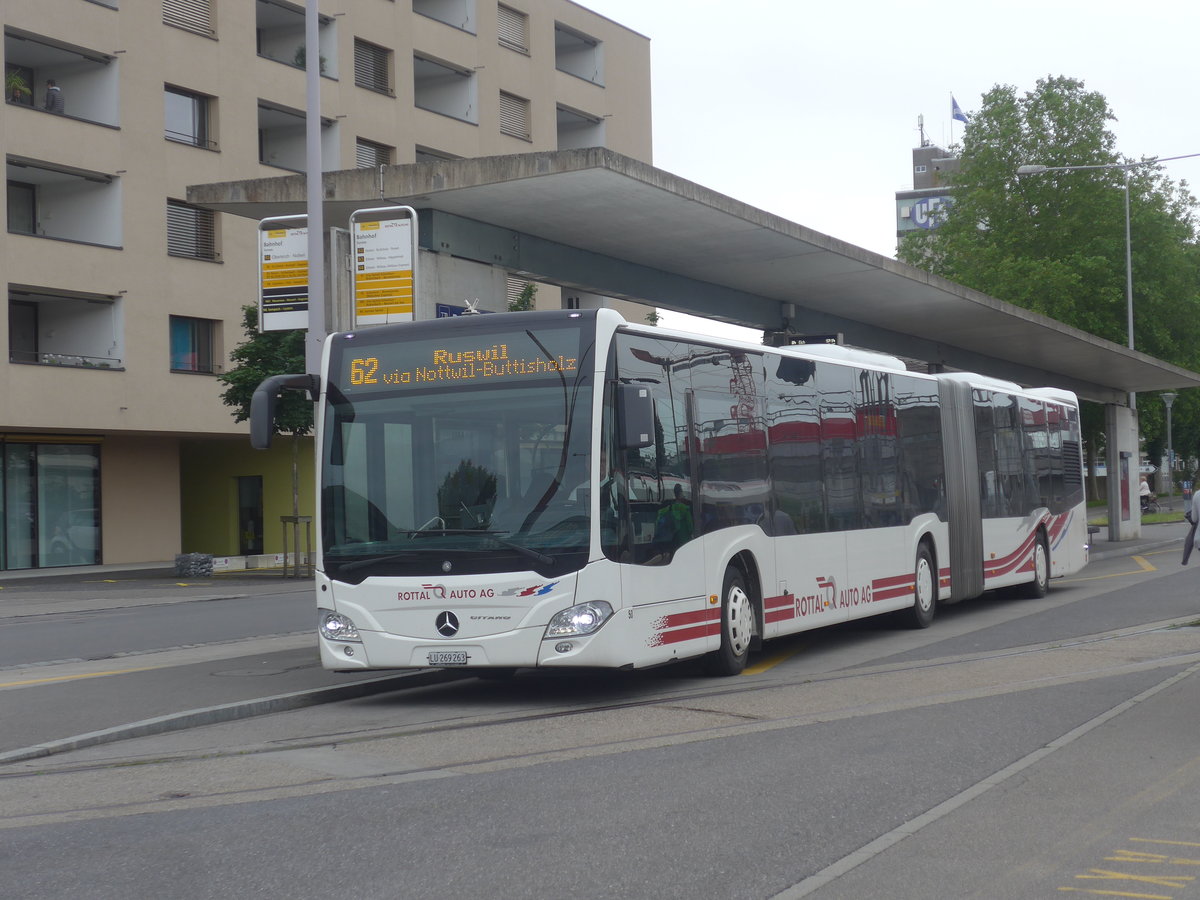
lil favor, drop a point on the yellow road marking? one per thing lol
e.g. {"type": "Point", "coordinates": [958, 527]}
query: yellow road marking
{"type": "Point", "coordinates": [1117, 894]}
{"type": "Point", "coordinates": [1144, 565]}
{"type": "Point", "coordinates": [770, 662]}
{"type": "Point", "coordinates": [1171, 881]}
{"type": "Point", "coordinates": [1169, 843]}
{"type": "Point", "coordinates": [26, 683]}
{"type": "Point", "coordinates": [1142, 856]}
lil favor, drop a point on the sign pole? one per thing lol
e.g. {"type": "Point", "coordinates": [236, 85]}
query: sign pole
{"type": "Point", "coordinates": [315, 338]}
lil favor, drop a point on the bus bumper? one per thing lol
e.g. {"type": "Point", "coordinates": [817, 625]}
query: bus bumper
{"type": "Point", "coordinates": [519, 648]}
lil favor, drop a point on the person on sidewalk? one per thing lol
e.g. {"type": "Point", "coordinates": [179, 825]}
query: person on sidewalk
{"type": "Point", "coordinates": [1191, 515]}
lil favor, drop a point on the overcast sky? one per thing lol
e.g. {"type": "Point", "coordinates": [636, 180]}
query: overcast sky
{"type": "Point", "coordinates": [809, 109]}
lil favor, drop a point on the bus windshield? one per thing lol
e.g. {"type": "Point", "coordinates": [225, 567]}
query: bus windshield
{"type": "Point", "coordinates": [465, 452]}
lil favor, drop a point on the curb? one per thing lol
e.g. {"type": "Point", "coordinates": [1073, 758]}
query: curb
{"type": "Point", "coordinates": [230, 712]}
{"type": "Point", "coordinates": [1111, 550]}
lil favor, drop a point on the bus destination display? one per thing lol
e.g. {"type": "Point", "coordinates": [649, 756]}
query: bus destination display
{"type": "Point", "coordinates": [442, 364]}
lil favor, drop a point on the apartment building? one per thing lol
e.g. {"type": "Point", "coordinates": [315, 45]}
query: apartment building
{"type": "Point", "coordinates": [124, 302]}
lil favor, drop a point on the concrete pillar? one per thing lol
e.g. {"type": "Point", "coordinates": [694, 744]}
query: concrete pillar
{"type": "Point", "coordinates": [1122, 461]}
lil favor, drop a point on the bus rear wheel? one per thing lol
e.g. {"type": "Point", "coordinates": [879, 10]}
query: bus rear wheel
{"type": "Point", "coordinates": [1037, 588]}
{"type": "Point", "coordinates": [739, 625]}
{"type": "Point", "coordinates": [924, 607]}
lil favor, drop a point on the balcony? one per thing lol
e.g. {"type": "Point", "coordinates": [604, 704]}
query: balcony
{"type": "Point", "coordinates": [577, 129]}
{"type": "Point", "coordinates": [578, 54]}
{"type": "Point", "coordinates": [282, 139]}
{"type": "Point", "coordinates": [445, 89]}
{"type": "Point", "coordinates": [52, 328]}
{"type": "Point", "coordinates": [279, 30]}
{"type": "Point", "coordinates": [87, 79]}
{"type": "Point", "coordinates": [63, 203]}
{"type": "Point", "coordinates": [455, 13]}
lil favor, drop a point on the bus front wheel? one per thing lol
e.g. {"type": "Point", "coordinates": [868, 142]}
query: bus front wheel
{"type": "Point", "coordinates": [739, 625]}
{"type": "Point", "coordinates": [920, 615]}
{"type": "Point", "coordinates": [1041, 570]}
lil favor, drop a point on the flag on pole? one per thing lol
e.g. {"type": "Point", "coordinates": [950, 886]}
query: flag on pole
{"type": "Point", "coordinates": [956, 110]}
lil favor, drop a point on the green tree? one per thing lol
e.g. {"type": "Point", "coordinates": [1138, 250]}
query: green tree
{"type": "Point", "coordinates": [265, 353]}
{"type": "Point", "coordinates": [525, 300]}
{"type": "Point", "coordinates": [1055, 242]}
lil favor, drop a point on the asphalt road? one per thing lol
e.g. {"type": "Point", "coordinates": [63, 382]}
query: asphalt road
{"type": "Point", "coordinates": [1016, 749]}
{"type": "Point", "coordinates": [96, 634]}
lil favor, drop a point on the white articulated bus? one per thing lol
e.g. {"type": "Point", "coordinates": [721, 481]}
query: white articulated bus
{"type": "Point", "coordinates": [568, 489]}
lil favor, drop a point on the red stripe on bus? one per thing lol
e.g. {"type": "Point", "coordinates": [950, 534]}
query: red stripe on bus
{"type": "Point", "coordinates": [675, 620]}
{"type": "Point", "coordinates": [687, 634]}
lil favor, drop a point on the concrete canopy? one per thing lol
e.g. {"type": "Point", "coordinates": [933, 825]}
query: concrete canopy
{"type": "Point", "coordinates": [598, 221]}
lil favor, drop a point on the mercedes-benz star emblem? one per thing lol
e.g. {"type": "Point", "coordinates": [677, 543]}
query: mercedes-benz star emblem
{"type": "Point", "coordinates": [447, 624]}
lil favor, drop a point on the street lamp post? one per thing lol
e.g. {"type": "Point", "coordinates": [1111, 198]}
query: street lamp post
{"type": "Point", "coordinates": [1168, 398]}
{"type": "Point", "coordinates": [1125, 167]}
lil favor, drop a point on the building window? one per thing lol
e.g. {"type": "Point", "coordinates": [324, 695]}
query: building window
{"type": "Point", "coordinates": [514, 116]}
{"type": "Point", "coordinates": [920, 170]}
{"type": "Point", "coordinates": [194, 15]}
{"type": "Point", "coordinates": [513, 28]}
{"type": "Point", "coordinates": [192, 345]}
{"type": "Point", "coordinates": [370, 155]}
{"type": "Point", "coordinates": [372, 67]}
{"type": "Point", "coordinates": [577, 54]}
{"type": "Point", "coordinates": [187, 118]}
{"type": "Point", "coordinates": [22, 207]}
{"type": "Point", "coordinates": [428, 154]}
{"type": "Point", "coordinates": [50, 504]}
{"type": "Point", "coordinates": [191, 231]}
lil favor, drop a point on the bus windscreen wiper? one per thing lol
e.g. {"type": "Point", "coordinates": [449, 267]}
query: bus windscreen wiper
{"type": "Point", "coordinates": [535, 555]}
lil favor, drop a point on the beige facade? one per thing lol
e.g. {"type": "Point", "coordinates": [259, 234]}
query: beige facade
{"type": "Point", "coordinates": [124, 302]}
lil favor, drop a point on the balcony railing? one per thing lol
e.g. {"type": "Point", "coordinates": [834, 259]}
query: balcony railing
{"type": "Point", "coordinates": [74, 360]}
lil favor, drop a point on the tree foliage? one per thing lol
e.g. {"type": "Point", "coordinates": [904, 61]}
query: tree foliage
{"type": "Point", "coordinates": [265, 353]}
{"type": "Point", "coordinates": [525, 300]}
{"type": "Point", "coordinates": [1055, 242]}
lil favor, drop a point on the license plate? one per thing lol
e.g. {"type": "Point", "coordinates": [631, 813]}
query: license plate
{"type": "Point", "coordinates": [447, 657]}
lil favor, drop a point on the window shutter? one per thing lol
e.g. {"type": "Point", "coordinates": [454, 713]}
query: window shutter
{"type": "Point", "coordinates": [191, 231]}
{"type": "Point", "coordinates": [514, 116]}
{"type": "Point", "coordinates": [513, 29]}
{"type": "Point", "coordinates": [371, 65]}
{"type": "Point", "coordinates": [371, 155]}
{"type": "Point", "coordinates": [194, 15]}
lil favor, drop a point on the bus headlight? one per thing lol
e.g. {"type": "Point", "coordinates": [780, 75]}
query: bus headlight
{"type": "Point", "coordinates": [336, 627]}
{"type": "Point", "coordinates": [582, 619]}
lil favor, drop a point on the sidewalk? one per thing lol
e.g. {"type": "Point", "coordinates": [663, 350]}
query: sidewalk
{"type": "Point", "coordinates": [30, 592]}
{"type": "Point", "coordinates": [1153, 537]}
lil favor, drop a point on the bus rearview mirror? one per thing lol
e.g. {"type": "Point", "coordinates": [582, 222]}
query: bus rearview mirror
{"type": "Point", "coordinates": [265, 398]}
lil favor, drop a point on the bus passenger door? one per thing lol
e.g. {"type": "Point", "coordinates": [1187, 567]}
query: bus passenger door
{"type": "Point", "coordinates": [656, 540]}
